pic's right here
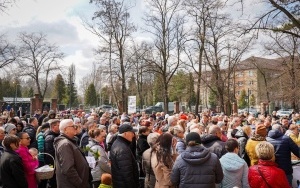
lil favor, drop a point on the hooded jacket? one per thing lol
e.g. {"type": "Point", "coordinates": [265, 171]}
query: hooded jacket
{"type": "Point", "coordinates": [214, 144]}
{"type": "Point", "coordinates": [283, 146]}
{"type": "Point", "coordinates": [250, 148]}
{"type": "Point", "coordinates": [49, 148]}
{"type": "Point", "coordinates": [196, 167]}
{"type": "Point", "coordinates": [72, 169]}
{"type": "Point", "coordinates": [235, 171]}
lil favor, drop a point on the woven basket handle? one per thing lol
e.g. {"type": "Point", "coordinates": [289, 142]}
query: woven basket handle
{"type": "Point", "coordinates": [50, 156]}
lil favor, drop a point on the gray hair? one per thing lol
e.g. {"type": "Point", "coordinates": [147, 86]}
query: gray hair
{"type": "Point", "coordinates": [63, 124]}
{"type": "Point", "coordinates": [277, 127]}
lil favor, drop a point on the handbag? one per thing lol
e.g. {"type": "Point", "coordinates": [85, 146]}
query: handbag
{"type": "Point", "coordinates": [263, 177]}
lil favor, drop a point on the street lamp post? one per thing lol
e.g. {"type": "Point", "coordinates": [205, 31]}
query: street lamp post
{"type": "Point", "coordinates": [70, 95]}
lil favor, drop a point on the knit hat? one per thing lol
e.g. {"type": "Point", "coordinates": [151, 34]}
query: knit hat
{"type": "Point", "coordinates": [193, 136]}
{"type": "Point", "coordinates": [261, 130]}
{"type": "Point", "coordinates": [9, 127]}
{"type": "Point", "coordinates": [183, 117]}
{"type": "Point", "coordinates": [45, 126]}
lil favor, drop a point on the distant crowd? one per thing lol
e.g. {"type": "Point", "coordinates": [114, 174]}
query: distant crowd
{"type": "Point", "coordinates": [158, 150]}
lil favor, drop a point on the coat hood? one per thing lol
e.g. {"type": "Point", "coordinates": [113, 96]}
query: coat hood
{"type": "Point", "coordinates": [209, 138]}
{"type": "Point", "coordinates": [231, 162]}
{"type": "Point", "coordinates": [195, 155]}
{"type": "Point", "coordinates": [61, 137]}
{"type": "Point", "coordinates": [275, 134]}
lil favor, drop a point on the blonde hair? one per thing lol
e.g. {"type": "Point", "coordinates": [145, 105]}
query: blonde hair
{"type": "Point", "coordinates": [247, 130]}
{"type": "Point", "coordinates": [264, 150]}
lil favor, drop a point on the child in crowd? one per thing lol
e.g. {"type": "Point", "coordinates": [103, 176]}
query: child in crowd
{"type": "Point", "coordinates": [34, 153]}
{"type": "Point", "coordinates": [106, 181]}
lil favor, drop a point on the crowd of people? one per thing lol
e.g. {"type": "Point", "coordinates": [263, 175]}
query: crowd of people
{"type": "Point", "coordinates": [155, 150]}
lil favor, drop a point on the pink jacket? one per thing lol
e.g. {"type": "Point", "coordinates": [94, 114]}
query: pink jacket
{"type": "Point", "coordinates": [29, 165]}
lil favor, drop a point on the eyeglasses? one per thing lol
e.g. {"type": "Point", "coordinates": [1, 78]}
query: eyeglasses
{"type": "Point", "coordinates": [74, 126]}
{"type": "Point", "coordinates": [28, 138]}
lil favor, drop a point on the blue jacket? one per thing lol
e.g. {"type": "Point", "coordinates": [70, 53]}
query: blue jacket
{"type": "Point", "coordinates": [283, 146]}
{"type": "Point", "coordinates": [196, 167]}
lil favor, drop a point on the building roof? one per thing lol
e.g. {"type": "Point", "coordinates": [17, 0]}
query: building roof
{"type": "Point", "coordinates": [259, 62]}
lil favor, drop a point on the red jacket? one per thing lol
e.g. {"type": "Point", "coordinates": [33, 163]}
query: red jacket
{"type": "Point", "coordinates": [267, 175]}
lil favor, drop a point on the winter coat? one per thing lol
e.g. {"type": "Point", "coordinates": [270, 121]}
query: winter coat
{"type": "Point", "coordinates": [235, 171]}
{"type": "Point", "coordinates": [72, 169]}
{"type": "Point", "coordinates": [12, 170]}
{"type": "Point", "coordinates": [214, 144]}
{"type": "Point", "coordinates": [267, 174]}
{"type": "Point", "coordinates": [162, 173]}
{"type": "Point", "coordinates": [124, 167]}
{"type": "Point", "coordinates": [147, 169]}
{"type": "Point", "coordinates": [196, 167]}
{"type": "Point", "coordinates": [31, 131]}
{"type": "Point", "coordinates": [29, 164]}
{"type": "Point", "coordinates": [41, 145]}
{"type": "Point", "coordinates": [283, 146]}
{"type": "Point", "coordinates": [49, 148]}
{"type": "Point", "coordinates": [180, 145]}
{"type": "Point", "coordinates": [104, 186]}
{"type": "Point", "coordinates": [102, 162]}
{"type": "Point", "coordinates": [142, 145]}
{"type": "Point", "coordinates": [250, 148]}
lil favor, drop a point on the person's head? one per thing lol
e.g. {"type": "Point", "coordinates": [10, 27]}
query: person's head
{"type": "Point", "coordinates": [215, 130]}
{"type": "Point", "coordinates": [172, 120]}
{"type": "Point", "coordinates": [106, 179]}
{"type": "Point", "coordinates": [98, 134]}
{"type": "Point", "coordinates": [285, 122]}
{"type": "Point", "coordinates": [261, 130]}
{"type": "Point", "coordinates": [193, 139]}
{"type": "Point", "coordinates": [294, 129]}
{"type": "Point", "coordinates": [34, 122]}
{"type": "Point", "coordinates": [127, 131]}
{"type": "Point", "coordinates": [11, 142]}
{"type": "Point", "coordinates": [67, 127]}
{"type": "Point", "coordinates": [149, 125]}
{"type": "Point", "coordinates": [20, 126]}
{"type": "Point", "coordinates": [232, 145]}
{"type": "Point", "coordinates": [113, 128]}
{"type": "Point", "coordinates": [13, 121]}
{"type": "Point", "coordinates": [24, 139]}
{"type": "Point", "coordinates": [152, 138]}
{"type": "Point", "coordinates": [277, 127]}
{"type": "Point", "coordinates": [54, 125]}
{"type": "Point", "coordinates": [103, 120]}
{"type": "Point", "coordinates": [2, 133]}
{"type": "Point", "coordinates": [165, 151]}
{"type": "Point", "coordinates": [236, 122]}
{"type": "Point", "coordinates": [264, 150]}
{"type": "Point", "coordinates": [33, 151]}
{"type": "Point", "coordinates": [178, 131]}
{"type": "Point", "coordinates": [247, 130]}
{"type": "Point", "coordinates": [143, 130]}
{"type": "Point", "coordinates": [10, 129]}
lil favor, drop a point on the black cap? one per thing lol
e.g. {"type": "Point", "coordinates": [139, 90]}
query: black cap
{"type": "Point", "coordinates": [127, 128]}
{"type": "Point", "coordinates": [193, 136]}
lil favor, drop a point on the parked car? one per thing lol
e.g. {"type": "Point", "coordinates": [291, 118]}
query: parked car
{"type": "Point", "coordinates": [105, 108]}
{"type": "Point", "coordinates": [283, 113]}
{"type": "Point", "coordinates": [151, 109]}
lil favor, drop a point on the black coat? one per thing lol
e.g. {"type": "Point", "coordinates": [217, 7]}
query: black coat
{"type": "Point", "coordinates": [12, 171]}
{"type": "Point", "coordinates": [49, 148]}
{"type": "Point", "coordinates": [123, 165]}
{"type": "Point", "coordinates": [142, 145]}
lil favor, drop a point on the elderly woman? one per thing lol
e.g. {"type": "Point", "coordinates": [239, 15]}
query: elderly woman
{"type": "Point", "coordinates": [266, 173]}
{"type": "Point", "coordinates": [11, 168]}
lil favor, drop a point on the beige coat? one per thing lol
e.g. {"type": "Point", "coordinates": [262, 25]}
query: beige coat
{"type": "Point", "coordinates": [162, 173]}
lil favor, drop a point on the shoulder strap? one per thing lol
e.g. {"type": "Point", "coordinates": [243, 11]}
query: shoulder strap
{"type": "Point", "coordinates": [263, 177]}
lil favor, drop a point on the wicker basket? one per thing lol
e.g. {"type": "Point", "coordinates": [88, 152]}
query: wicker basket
{"type": "Point", "coordinates": [48, 174]}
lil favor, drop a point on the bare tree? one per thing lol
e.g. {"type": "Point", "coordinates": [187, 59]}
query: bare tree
{"type": "Point", "coordinates": [5, 4]}
{"type": "Point", "coordinates": [287, 47]}
{"type": "Point", "coordinates": [38, 59]}
{"type": "Point", "coordinates": [280, 16]}
{"type": "Point", "coordinates": [8, 52]}
{"type": "Point", "coordinates": [163, 24]}
{"type": "Point", "coordinates": [111, 24]}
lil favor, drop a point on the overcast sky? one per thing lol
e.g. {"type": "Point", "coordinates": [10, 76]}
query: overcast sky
{"type": "Point", "coordinates": [61, 21]}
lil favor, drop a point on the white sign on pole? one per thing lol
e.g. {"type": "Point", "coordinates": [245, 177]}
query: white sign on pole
{"type": "Point", "coordinates": [131, 104]}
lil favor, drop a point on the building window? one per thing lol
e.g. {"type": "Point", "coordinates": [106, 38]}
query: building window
{"type": "Point", "coordinates": [251, 82]}
{"type": "Point", "coordinates": [239, 74]}
{"type": "Point", "coordinates": [250, 72]}
{"type": "Point", "coordinates": [240, 83]}
{"type": "Point", "coordinates": [238, 92]}
{"type": "Point", "coordinates": [250, 92]}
